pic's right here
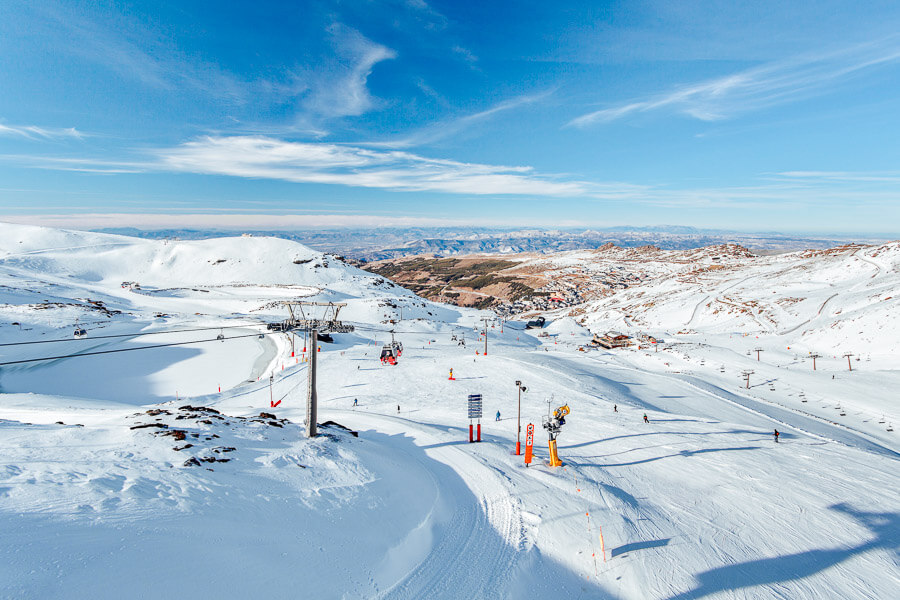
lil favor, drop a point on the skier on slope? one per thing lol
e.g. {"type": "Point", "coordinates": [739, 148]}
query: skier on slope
{"type": "Point", "coordinates": [498, 416]}
{"type": "Point", "coordinates": [776, 434]}
{"type": "Point", "coordinates": [646, 420]}
{"type": "Point", "coordinates": [615, 408]}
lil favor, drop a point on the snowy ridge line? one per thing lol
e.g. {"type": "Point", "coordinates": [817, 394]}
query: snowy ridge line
{"type": "Point", "coordinates": [869, 444]}
{"type": "Point", "coordinates": [31, 360]}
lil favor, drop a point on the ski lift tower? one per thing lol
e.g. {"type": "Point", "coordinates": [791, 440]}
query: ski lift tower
{"type": "Point", "coordinates": [328, 323]}
{"type": "Point", "coordinates": [847, 355]}
{"type": "Point", "coordinates": [814, 356]}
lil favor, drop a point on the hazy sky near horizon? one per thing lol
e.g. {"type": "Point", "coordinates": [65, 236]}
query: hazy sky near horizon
{"type": "Point", "coordinates": [741, 115]}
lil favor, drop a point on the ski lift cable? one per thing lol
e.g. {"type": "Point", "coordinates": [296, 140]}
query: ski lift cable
{"type": "Point", "coordinates": [121, 335]}
{"type": "Point", "coordinates": [150, 347]}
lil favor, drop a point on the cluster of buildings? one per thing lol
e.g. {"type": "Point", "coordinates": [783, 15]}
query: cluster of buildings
{"type": "Point", "coordinates": [571, 286]}
{"type": "Point", "coordinates": [616, 339]}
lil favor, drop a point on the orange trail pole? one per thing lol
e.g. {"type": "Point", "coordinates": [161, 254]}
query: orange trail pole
{"type": "Point", "coordinates": [602, 544]}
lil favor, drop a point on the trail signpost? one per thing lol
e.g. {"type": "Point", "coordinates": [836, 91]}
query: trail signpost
{"type": "Point", "coordinates": [474, 415]}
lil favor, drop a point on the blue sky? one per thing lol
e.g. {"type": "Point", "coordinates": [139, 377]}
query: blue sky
{"type": "Point", "coordinates": [727, 114]}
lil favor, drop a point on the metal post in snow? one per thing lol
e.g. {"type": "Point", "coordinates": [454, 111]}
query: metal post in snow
{"type": "Point", "coordinates": [519, 419]}
{"type": "Point", "coordinates": [311, 398]}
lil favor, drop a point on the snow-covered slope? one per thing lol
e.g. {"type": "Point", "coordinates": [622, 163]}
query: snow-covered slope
{"type": "Point", "coordinates": [840, 300]}
{"type": "Point", "coordinates": [168, 470]}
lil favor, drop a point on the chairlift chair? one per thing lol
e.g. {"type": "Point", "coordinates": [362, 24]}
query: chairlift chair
{"type": "Point", "coordinates": [80, 333]}
{"type": "Point", "coordinates": [221, 336]}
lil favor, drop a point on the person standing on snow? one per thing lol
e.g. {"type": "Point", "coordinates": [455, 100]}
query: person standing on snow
{"type": "Point", "coordinates": [776, 434]}
{"type": "Point", "coordinates": [646, 420]}
{"type": "Point", "coordinates": [615, 408]}
{"type": "Point", "coordinates": [498, 416]}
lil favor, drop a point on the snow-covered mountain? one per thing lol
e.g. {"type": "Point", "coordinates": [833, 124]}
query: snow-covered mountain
{"type": "Point", "coordinates": [844, 299]}
{"type": "Point", "coordinates": [163, 452]}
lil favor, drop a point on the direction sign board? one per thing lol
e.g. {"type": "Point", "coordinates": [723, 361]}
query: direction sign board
{"type": "Point", "coordinates": [474, 406]}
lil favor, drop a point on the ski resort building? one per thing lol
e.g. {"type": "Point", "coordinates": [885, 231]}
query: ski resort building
{"type": "Point", "coordinates": [612, 339]}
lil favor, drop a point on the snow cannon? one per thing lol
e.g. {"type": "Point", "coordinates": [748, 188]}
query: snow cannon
{"type": "Point", "coordinates": [553, 424]}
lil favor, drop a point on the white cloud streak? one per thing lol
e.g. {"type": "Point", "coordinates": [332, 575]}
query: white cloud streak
{"type": "Point", "coordinates": [324, 163]}
{"type": "Point", "coordinates": [33, 132]}
{"type": "Point", "coordinates": [759, 87]}
{"type": "Point", "coordinates": [844, 176]}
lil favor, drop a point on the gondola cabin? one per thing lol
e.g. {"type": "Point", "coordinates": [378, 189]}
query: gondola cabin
{"type": "Point", "coordinates": [388, 357]}
{"type": "Point", "coordinates": [397, 347]}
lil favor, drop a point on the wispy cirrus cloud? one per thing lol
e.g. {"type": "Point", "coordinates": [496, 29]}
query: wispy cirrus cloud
{"type": "Point", "coordinates": [451, 127]}
{"type": "Point", "coordinates": [33, 132]}
{"type": "Point", "coordinates": [760, 87]}
{"type": "Point", "coordinates": [340, 88]}
{"type": "Point", "coordinates": [843, 176]}
{"type": "Point", "coordinates": [133, 51]}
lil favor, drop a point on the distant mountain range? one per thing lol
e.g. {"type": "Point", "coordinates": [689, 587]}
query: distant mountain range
{"type": "Point", "coordinates": [378, 244]}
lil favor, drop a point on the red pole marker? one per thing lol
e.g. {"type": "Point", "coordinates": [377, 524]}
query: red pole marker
{"type": "Point", "coordinates": [471, 437]}
{"type": "Point", "coordinates": [479, 432]}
